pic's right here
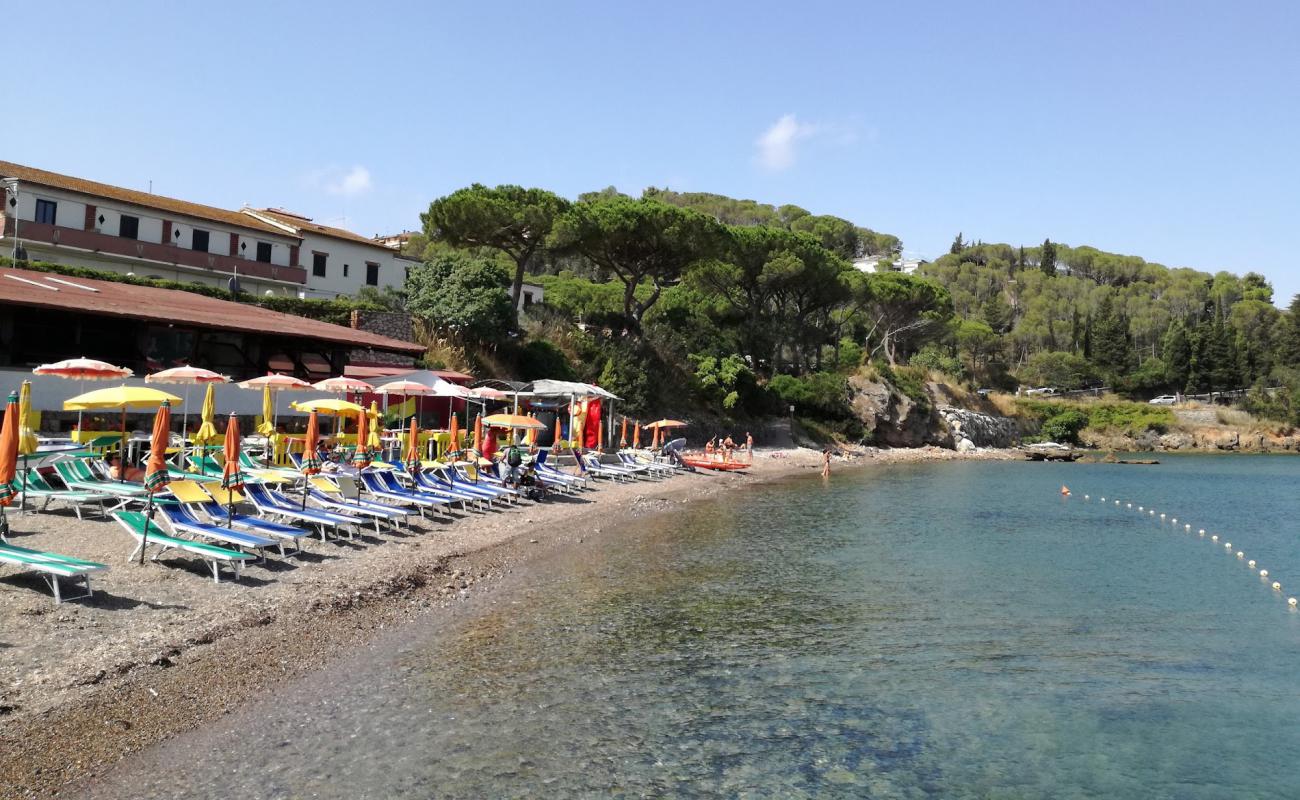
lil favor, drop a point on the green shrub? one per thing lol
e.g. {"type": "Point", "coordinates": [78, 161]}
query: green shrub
{"type": "Point", "coordinates": [934, 358]}
{"type": "Point", "coordinates": [539, 359]}
{"type": "Point", "coordinates": [1064, 426]}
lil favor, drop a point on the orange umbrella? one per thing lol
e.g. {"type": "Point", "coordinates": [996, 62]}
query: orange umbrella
{"type": "Point", "coordinates": [559, 433]}
{"type": "Point", "coordinates": [232, 477]}
{"type": "Point", "coordinates": [636, 434]}
{"type": "Point", "coordinates": [360, 457]}
{"type": "Point", "coordinates": [453, 432]}
{"type": "Point", "coordinates": [310, 461]}
{"type": "Point", "coordinates": [532, 433]}
{"type": "Point", "coordinates": [622, 438]}
{"type": "Point", "coordinates": [156, 477]}
{"type": "Point", "coordinates": [654, 443]}
{"type": "Point", "coordinates": [478, 433]}
{"type": "Point", "coordinates": [413, 449]}
{"type": "Point", "coordinates": [8, 458]}
{"type": "Point", "coordinates": [600, 437]}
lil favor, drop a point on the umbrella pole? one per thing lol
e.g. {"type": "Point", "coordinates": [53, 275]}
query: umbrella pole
{"type": "Point", "coordinates": [121, 455]}
{"type": "Point", "coordinates": [148, 520]}
{"type": "Point", "coordinates": [22, 499]}
{"type": "Point", "coordinates": [185, 428]}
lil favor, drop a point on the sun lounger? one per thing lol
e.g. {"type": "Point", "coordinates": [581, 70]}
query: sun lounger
{"type": "Point", "coordinates": [217, 508]}
{"type": "Point", "coordinates": [445, 477]}
{"type": "Point", "coordinates": [51, 567]}
{"type": "Point", "coordinates": [654, 467]}
{"type": "Point", "coordinates": [183, 522]}
{"type": "Point", "coordinates": [77, 474]}
{"type": "Point", "coordinates": [375, 485]}
{"type": "Point", "coordinates": [274, 504]}
{"type": "Point", "coordinates": [35, 487]}
{"type": "Point", "coordinates": [181, 475]}
{"type": "Point", "coordinates": [134, 523]}
{"type": "Point", "coordinates": [483, 479]}
{"type": "Point", "coordinates": [429, 483]}
{"type": "Point", "coordinates": [550, 473]}
{"type": "Point", "coordinates": [393, 481]}
{"type": "Point", "coordinates": [328, 496]}
{"type": "Point", "coordinates": [592, 466]}
{"type": "Point", "coordinates": [193, 496]}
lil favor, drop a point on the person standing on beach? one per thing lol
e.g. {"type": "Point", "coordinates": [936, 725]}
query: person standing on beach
{"type": "Point", "coordinates": [749, 443]}
{"type": "Point", "coordinates": [826, 462]}
{"type": "Point", "coordinates": [727, 446]}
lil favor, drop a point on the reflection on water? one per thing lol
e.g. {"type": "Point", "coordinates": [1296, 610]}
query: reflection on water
{"type": "Point", "coordinates": [951, 630]}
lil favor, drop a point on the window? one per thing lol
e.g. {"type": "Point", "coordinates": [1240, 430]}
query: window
{"type": "Point", "coordinates": [199, 240]}
{"type": "Point", "coordinates": [372, 274]}
{"type": "Point", "coordinates": [345, 270]}
{"type": "Point", "coordinates": [318, 264]}
{"type": "Point", "coordinates": [46, 211]}
{"type": "Point", "coordinates": [264, 252]}
{"type": "Point", "coordinates": [128, 227]}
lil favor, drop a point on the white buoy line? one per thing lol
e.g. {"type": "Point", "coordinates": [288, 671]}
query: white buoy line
{"type": "Point", "coordinates": [1292, 602]}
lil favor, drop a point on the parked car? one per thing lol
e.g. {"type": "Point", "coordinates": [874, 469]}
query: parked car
{"type": "Point", "coordinates": [1164, 400]}
{"type": "Point", "coordinates": [1040, 391]}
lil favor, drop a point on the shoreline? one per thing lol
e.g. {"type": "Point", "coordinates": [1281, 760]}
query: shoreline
{"type": "Point", "coordinates": [87, 684]}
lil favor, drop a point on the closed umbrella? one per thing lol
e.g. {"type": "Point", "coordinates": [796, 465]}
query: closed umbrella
{"type": "Point", "coordinates": [622, 437]}
{"type": "Point", "coordinates": [82, 370]}
{"type": "Point", "coordinates": [372, 439]}
{"type": "Point", "coordinates": [310, 460]}
{"type": "Point", "coordinates": [478, 433]}
{"type": "Point", "coordinates": [453, 432]}
{"type": "Point", "coordinates": [207, 431]}
{"type": "Point", "coordinates": [413, 449]}
{"type": "Point", "coordinates": [267, 428]}
{"type": "Point", "coordinates": [8, 460]}
{"type": "Point", "coordinates": [559, 434]}
{"type": "Point", "coordinates": [155, 471]}
{"type": "Point", "coordinates": [360, 457]}
{"type": "Point", "coordinates": [532, 434]}
{"type": "Point", "coordinates": [232, 476]}
{"type": "Point", "coordinates": [27, 443]}
{"type": "Point", "coordinates": [600, 438]}
{"type": "Point", "coordinates": [636, 435]}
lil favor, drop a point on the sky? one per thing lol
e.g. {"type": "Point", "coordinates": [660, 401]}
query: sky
{"type": "Point", "coordinates": [1168, 130]}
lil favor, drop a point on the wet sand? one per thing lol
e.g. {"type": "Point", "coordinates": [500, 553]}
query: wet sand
{"type": "Point", "coordinates": [162, 649]}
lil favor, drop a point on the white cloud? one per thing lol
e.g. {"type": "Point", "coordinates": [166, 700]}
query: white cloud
{"type": "Point", "coordinates": [776, 147]}
{"type": "Point", "coordinates": [354, 181]}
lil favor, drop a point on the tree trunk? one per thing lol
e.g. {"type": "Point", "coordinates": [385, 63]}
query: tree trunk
{"type": "Point", "coordinates": [516, 290]}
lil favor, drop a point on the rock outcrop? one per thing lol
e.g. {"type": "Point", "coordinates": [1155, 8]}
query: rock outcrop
{"type": "Point", "coordinates": [892, 419]}
{"type": "Point", "coordinates": [971, 429]}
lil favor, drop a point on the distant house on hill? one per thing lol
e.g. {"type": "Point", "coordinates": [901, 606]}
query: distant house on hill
{"type": "Point", "coordinates": [887, 263]}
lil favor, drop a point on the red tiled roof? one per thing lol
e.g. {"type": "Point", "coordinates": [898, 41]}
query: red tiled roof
{"type": "Point", "coordinates": [305, 224]}
{"type": "Point", "coordinates": [109, 298]}
{"type": "Point", "coordinates": [42, 177]}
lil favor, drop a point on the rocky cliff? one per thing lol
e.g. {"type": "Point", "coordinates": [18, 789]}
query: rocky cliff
{"type": "Point", "coordinates": [893, 419]}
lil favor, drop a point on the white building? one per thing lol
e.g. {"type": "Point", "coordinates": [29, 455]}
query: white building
{"type": "Point", "coordinates": [66, 220]}
{"type": "Point", "coordinates": [872, 264]}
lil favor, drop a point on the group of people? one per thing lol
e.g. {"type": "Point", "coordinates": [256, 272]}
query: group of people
{"type": "Point", "coordinates": [727, 446]}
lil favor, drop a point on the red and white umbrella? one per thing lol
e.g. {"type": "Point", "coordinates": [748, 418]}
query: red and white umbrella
{"type": "Point", "coordinates": [276, 382]}
{"type": "Point", "coordinates": [405, 389]}
{"type": "Point", "coordinates": [82, 370]}
{"type": "Point", "coordinates": [186, 376]}
{"type": "Point", "coordinates": [342, 385]}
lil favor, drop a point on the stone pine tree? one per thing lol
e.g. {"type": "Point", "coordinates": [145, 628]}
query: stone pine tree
{"type": "Point", "coordinates": [957, 245]}
{"type": "Point", "coordinates": [1110, 339]}
{"type": "Point", "coordinates": [510, 219]}
{"type": "Point", "coordinates": [1047, 258]}
{"type": "Point", "coordinates": [1176, 351]}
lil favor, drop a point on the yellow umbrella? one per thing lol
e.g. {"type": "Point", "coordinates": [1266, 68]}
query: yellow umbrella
{"type": "Point", "coordinates": [267, 428]}
{"type": "Point", "coordinates": [27, 443]}
{"type": "Point", "coordinates": [329, 405]}
{"type": "Point", "coordinates": [513, 421]}
{"type": "Point", "coordinates": [207, 431]}
{"type": "Point", "coordinates": [372, 440]}
{"type": "Point", "coordinates": [120, 397]}
{"type": "Point", "coordinates": [664, 424]}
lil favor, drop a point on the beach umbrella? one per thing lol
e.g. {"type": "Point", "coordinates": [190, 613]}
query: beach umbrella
{"type": "Point", "coordinates": [372, 440]}
{"type": "Point", "coordinates": [360, 457]}
{"type": "Point", "coordinates": [342, 385]}
{"type": "Point", "coordinates": [478, 433]}
{"type": "Point", "coordinates": [232, 476]}
{"type": "Point", "coordinates": [600, 438]}
{"type": "Point", "coordinates": [82, 370]}
{"type": "Point", "coordinates": [186, 376]}
{"type": "Point", "coordinates": [120, 398]}
{"type": "Point", "coordinates": [8, 460]}
{"type": "Point", "coordinates": [636, 435]}
{"type": "Point", "coordinates": [532, 433]}
{"type": "Point", "coordinates": [453, 432]}
{"type": "Point", "coordinates": [413, 449]}
{"type": "Point", "coordinates": [664, 424]}
{"type": "Point", "coordinates": [654, 442]}
{"type": "Point", "coordinates": [267, 428]}
{"type": "Point", "coordinates": [329, 405]}
{"type": "Point", "coordinates": [271, 383]}
{"type": "Point", "coordinates": [622, 437]}
{"type": "Point", "coordinates": [310, 461]}
{"type": "Point", "coordinates": [207, 431]}
{"type": "Point", "coordinates": [156, 477]}
{"type": "Point", "coordinates": [559, 433]}
{"type": "Point", "coordinates": [27, 443]}
{"type": "Point", "coordinates": [513, 421]}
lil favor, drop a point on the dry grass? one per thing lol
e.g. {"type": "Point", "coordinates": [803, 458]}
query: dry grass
{"type": "Point", "coordinates": [441, 350]}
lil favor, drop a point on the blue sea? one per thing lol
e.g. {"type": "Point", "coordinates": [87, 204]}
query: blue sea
{"type": "Point", "coordinates": [944, 630]}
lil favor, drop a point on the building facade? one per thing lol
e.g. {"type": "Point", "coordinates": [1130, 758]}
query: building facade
{"type": "Point", "coordinates": [66, 220]}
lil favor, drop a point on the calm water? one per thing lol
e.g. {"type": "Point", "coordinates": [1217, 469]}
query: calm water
{"type": "Point", "coordinates": [950, 630]}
